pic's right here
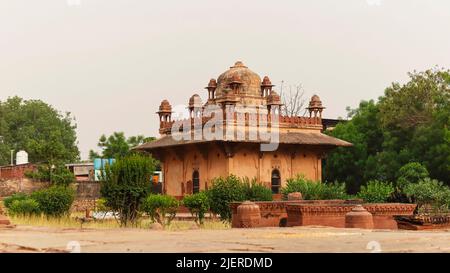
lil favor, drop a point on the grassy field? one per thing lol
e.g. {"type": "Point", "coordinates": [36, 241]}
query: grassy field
{"type": "Point", "coordinates": [73, 222]}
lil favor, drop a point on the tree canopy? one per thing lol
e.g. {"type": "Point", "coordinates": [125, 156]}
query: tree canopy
{"type": "Point", "coordinates": [117, 145]}
{"type": "Point", "coordinates": [410, 123]}
{"type": "Point", "coordinates": [48, 136]}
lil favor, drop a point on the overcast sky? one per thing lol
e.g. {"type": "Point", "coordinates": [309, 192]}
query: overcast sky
{"type": "Point", "coordinates": [111, 62]}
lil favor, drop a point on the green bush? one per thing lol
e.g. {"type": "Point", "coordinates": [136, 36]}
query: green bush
{"type": "Point", "coordinates": [314, 190]}
{"type": "Point", "coordinates": [411, 173]}
{"type": "Point", "coordinates": [54, 201]}
{"type": "Point", "coordinates": [255, 191]}
{"type": "Point", "coordinates": [161, 208]}
{"type": "Point", "coordinates": [58, 175]}
{"type": "Point", "coordinates": [222, 192]}
{"type": "Point", "coordinates": [7, 202]}
{"type": "Point", "coordinates": [100, 205]}
{"type": "Point", "coordinates": [376, 191]}
{"type": "Point", "coordinates": [25, 207]}
{"type": "Point", "coordinates": [198, 205]}
{"type": "Point", "coordinates": [126, 184]}
{"type": "Point", "coordinates": [429, 194]}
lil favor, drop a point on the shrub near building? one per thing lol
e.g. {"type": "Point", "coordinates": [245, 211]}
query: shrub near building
{"type": "Point", "coordinates": [54, 201]}
{"type": "Point", "coordinates": [376, 191]}
{"type": "Point", "coordinates": [314, 190]}
{"type": "Point", "coordinates": [234, 189]}
{"type": "Point", "coordinates": [198, 205]}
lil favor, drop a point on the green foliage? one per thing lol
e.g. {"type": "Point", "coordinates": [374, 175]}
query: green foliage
{"type": "Point", "coordinates": [54, 201]}
{"type": "Point", "coordinates": [198, 205]}
{"type": "Point", "coordinates": [161, 208]}
{"type": "Point", "coordinates": [376, 191]}
{"type": "Point", "coordinates": [224, 191]}
{"type": "Point", "coordinates": [7, 201]}
{"type": "Point", "coordinates": [126, 184]}
{"type": "Point", "coordinates": [57, 176]}
{"type": "Point", "coordinates": [100, 205]}
{"type": "Point", "coordinates": [409, 123]}
{"type": "Point", "coordinates": [411, 173]}
{"type": "Point", "coordinates": [117, 145]}
{"type": "Point", "coordinates": [314, 190]}
{"type": "Point", "coordinates": [356, 164]}
{"type": "Point", "coordinates": [234, 189]}
{"type": "Point", "coordinates": [429, 194]}
{"type": "Point", "coordinates": [255, 191]}
{"type": "Point", "coordinates": [46, 134]}
{"type": "Point", "coordinates": [25, 207]}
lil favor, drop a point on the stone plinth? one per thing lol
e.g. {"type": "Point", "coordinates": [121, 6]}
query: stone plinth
{"type": "Point", "coordinates": [359, 217]}
{"type": "Point", "coordinates": [332, 215]}
{"type": "Point", "coordinates": [383, 213]}
{"type": "Point", "coordinates": [248, 214]}
{"type": "Point", "coordinates": [274, 214]}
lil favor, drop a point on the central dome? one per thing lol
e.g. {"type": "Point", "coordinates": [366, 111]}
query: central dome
{"type": "Point", "coordinates": [250, 81]}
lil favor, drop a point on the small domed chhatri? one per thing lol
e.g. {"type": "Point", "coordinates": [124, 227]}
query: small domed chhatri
{"type": "Point", "coordinates": [165, 112]}
{"type": "Point", "coordinates": [212, 83]}
{"type": "Point", "coordinates": [226, 136]}
{"type": "Point", "coordinates": [266, 82]}
{"type": "Point", "coordinates": [315, 107]}
{"type": "Point", "coordinates": [165, 106]}
{"type": "Point", "coordinates": [195, 101]}
{"type": "Point", "coordinates": [273, 98]}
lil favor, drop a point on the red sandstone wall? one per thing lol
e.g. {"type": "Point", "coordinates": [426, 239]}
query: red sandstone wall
{"type": "Point", "coordinates": [15, 172]}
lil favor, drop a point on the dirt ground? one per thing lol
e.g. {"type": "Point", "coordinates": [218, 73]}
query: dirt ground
{"type": "Point", "coordinates": [298, 239]}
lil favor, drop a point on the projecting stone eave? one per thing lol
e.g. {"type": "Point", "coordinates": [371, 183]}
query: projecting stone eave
{"type": "Point", "coordinates": [297, 138]}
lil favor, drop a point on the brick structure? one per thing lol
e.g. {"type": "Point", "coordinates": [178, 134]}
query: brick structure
{"type": "Point", "coordinates": [248, 215]}
{"type": "Point", "coordinates": [16, 171]}
{"type": "Point", "coordinates": [323, 213]}
{"type": "Point", "coordinates": [359, 217]}
{"type": "Point", "coordinates": [243, 104]}
{"type": "Point", "coordinates": [274, 214]}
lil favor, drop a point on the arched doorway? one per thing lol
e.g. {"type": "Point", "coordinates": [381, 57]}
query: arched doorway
{"type": "Point", "coordinates": [195, 182]}
{"type": "Point", "coordinates": [276, 181]}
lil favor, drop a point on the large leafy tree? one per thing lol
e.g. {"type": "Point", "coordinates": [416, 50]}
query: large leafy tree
{"type": "Point", "coordinates": [47, 135]}
{"type": "Point", "coordinates": [117, 145]}
{"type": "Point", "coordinates": [410, 123]}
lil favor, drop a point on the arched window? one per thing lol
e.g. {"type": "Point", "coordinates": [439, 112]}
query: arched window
{"type": "Point", "coordinates": [276, 181]}
{"type": "Point", "coordinates": [195, 182]}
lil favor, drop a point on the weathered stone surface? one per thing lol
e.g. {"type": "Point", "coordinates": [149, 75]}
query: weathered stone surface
{"type": "Point", "coordinates": [248, 214]}
{"type": "Point", "coordinates": [359, 217]}
{"type": "Point", "coordinates": [12, 186]}
{"type": "Point", "coordinates": [322, 213]}
{"type": "Point", "coordinates": [295, 196]}
{"type": "Point", "coordinates": [423, 222]}
{"type": "Point", "coordinates": [274, 214]}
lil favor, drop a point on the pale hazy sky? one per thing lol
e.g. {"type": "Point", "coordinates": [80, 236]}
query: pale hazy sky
{"type": "Point", "coordinates": [111, 62]}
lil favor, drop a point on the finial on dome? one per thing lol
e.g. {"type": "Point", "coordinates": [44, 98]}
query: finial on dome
{"type": "Point", "coordinates": [239, 64]}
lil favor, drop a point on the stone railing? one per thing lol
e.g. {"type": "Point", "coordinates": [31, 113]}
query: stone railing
{"type": "Point", "coordinates": [248, 120]}
{"type": "Point", "coordinates": [323, 213]}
